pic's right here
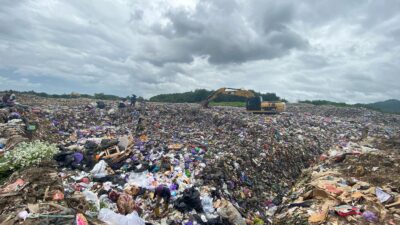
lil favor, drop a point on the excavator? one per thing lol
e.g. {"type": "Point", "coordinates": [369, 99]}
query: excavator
{"type": "Point", "coordinates": [254, 104]}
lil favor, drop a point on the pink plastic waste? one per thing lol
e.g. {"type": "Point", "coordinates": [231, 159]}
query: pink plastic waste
{"type": "Point", "coordinates": [14, 186]}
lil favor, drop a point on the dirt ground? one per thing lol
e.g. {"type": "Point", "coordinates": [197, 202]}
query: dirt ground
{"type": "Point", "coordinates": [39, 184]}
{"type": "Point", "coordinates": [377, 169]}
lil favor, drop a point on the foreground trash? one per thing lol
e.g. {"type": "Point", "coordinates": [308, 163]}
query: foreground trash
{"type": "Point", "coordinates": [178, 164]}
{"type": "Point", "coordinates": [347, 192]}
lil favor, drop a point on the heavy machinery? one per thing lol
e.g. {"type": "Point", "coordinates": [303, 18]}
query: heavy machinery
{"type": "Point", "coordinates": [254, 103]}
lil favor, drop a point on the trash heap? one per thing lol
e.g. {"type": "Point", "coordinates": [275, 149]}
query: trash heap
{"type": "Point", "coordinates": [179, 164]}
{"type": "Point", "coordinates": [353, 184]}
{"type": "Point", "coordinates": [12, 127]}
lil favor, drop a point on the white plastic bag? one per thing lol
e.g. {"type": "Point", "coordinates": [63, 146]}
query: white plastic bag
{"type": "Point", "coordinates": [139, 179]}
{"type": "Point", "coordinates": [110, 217]}
{"type": "Point", "coordinates": [207, 203]}
{"type": "Point", "coordinates": [123, 142]}
{"type": "Point", "coordinates": [92, 199]}
{"type": "Point", "coordinates": [99, 170]}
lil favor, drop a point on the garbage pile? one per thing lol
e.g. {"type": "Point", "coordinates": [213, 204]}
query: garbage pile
{"type": "Point", "coordinates": [35, 196]}
{"type": "Point", "coordinates": [176, 163]}
{"type": "Point", "coordinates": [12, 126]}
{"type": "Point", "coordinates": [355, 184]}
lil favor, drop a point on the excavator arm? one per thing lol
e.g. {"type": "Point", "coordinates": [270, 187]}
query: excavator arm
{"type": "Point", "coordinates": [227, 91]}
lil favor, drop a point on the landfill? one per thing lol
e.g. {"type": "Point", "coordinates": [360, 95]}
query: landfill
{"type": "Point", "coordinates": [155, 163]}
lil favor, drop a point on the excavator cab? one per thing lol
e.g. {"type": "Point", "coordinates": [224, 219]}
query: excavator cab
{"type": "Point", "coordinates": [257, 105]}
{"type": "Point", "coordinates": [254, 103]}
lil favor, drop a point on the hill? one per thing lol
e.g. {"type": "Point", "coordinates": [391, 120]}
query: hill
{"type": "Point", "coordinates": [391, 106]}
{"type": "Point", "coordinates": [388, 106]}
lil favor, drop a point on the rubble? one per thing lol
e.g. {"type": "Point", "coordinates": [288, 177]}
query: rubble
{"type": "Point", "coordinates": [348, 192]}
{"type": "Point", "coordinates": [179, 164]}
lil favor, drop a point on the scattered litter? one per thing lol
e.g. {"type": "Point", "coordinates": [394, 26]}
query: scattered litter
{"type": "Point", "coordinates": [179, 164]}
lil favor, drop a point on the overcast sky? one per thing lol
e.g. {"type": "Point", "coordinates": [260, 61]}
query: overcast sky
{"type": "Point", "coordinates": [341, 50]}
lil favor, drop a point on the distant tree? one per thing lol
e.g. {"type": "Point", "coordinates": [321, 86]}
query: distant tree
{"type": "Point", "coordinates": [101, 96]}
{"type": "Point", "coordinates": [199, 95]}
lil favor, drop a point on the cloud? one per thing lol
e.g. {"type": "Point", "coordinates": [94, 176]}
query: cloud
{"type": "Point", "coordinates": [343, 50]}
{"type": "Point", "coordinates": [227, 32]}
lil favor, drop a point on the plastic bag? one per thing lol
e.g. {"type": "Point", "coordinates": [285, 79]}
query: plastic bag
{"type": "Point", "coordinates": [123, 142]}
{"type": "Point", "coordinates": [92, 199]}
{"type": "Point", "coordinates": [105, 202]}
{"type": "Point", "coordinates": [23, 215]}
{"type": "Point", "coordinates": [99, 170]}
{"type": "Point", "coordinates": [80, 219]}
{"type": "Point", "coordinates": [231, 213]}
{"type": "Point", "coordinates": [139, 179]}
{"type": "Point", "coordinates": [207, 204]}
{"type": "Point", "coordinates": [370, 216]}
{"type": "Point", "coordinates": [383, 196]}
{"type": "Point", "coordinates": [110, 217]}
{"type": "Point", "coordinates": [347, 210]}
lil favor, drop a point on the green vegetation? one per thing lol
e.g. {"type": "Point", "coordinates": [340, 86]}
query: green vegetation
{"type": "Point", "coordinates": [201, 94]}
{"type": "Point", "coordinates": [191, 97]}
{"type": "Point", "coordinates": [233, 104]}
{"type": "Point", "coordinates": [388, 106]}
{"type": "Point", "coordinates": [391, 106]}
{"type": "Point", "coordinates": [101, 96]}
{"type": "Point", "coordinates": [324, 102]}
{"type": "Point", "coordinates": [105, 97]}
{"type": "Point", "coordinates": [27, 154]}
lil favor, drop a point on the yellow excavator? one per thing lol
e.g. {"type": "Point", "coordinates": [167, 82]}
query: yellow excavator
{"type": "Point", "coordinates": [254, 104]}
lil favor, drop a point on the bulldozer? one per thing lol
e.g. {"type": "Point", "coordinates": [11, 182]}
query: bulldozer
{"type": "Point", "coordinates": [254, 104]}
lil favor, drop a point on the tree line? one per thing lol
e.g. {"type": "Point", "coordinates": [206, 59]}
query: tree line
{"type": "Point", "coordinates": [199, 95]}
{"type": "Point", "coordinates": [388, 106]}
{"type": "Point", "coordinates": [101, 96]}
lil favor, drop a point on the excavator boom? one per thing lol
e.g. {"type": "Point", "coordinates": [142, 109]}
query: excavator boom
{"type": "Point", "coordinates": [227, 91]}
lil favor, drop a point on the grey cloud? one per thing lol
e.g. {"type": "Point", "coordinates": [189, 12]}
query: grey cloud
{"type": "Point", "coordinates": [313, 61]}
{"type": "Point", "coordinates": [230, 35]}
{"type": "Point", "coordinates": [183, 24]}
{"type": "Point", "coordinates": [319, 49]}
{"type": "Point", "coordinates": [136, 15]}
{"type": "Point", "coordinates": [276, 15]}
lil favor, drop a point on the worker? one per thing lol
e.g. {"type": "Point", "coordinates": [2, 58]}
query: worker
{"type": "Point", "coordinates": [133, 100]}
{"type": "Point", "coordinates": [12, 97]}
{"type": "Point", "coordinates": [6, 98]}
